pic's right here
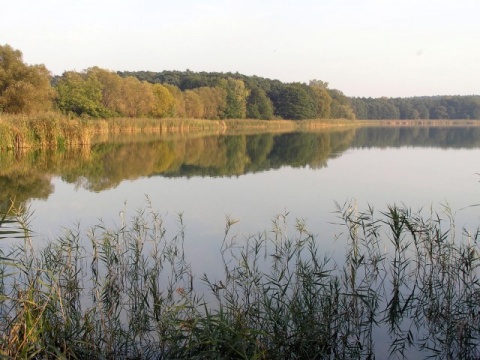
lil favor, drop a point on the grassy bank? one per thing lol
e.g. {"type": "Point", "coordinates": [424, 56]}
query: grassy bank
{"type": "Point", "coordinates": [129, 292]}
{"type": "Point", "coordinates": [48, 130]}
{"type": "Point", "coordinates": [53, 130]}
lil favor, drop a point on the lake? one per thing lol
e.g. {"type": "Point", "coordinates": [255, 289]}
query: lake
{"type": "Point", "coordinates": [250, 178]}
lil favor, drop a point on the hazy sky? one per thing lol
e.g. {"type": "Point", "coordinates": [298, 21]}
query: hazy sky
{"type": "Point", "coordinates": [361, 47]}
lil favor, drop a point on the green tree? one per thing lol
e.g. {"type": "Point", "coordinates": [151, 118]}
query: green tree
{"type": "Point", "coordinates": [439, 112]}
{"type": "Point", "coordinates": [296, 102]}
{"type": "Point", "coordinates": [112, 90]}
{"type": "Point", "coordinates": [81, 94]}
{"type": "Point", "coordinates": [259, 105]}
{"type": "Point", "coordinates": [340, 107]}
{"type": "Point", "coordinates": [406, 109]}
{"type": "Point", "coordinates": [323, 98]}
{"type": "Point", "coordinates": [359, 108]}
{"type": "Point", "coordinates": [23, 88]}
{"type": "Point", "coordinates": [236, 100]}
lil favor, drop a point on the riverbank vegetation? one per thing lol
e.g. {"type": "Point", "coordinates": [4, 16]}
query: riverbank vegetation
{"type": "Point", "coordinates": [100, 93]}
{"type": "Point", "coordinates": [97, 93]}
{"type": "Point", "coordinates": [54, 130]}
{"type": "Point", "coordinates": [407, 286]}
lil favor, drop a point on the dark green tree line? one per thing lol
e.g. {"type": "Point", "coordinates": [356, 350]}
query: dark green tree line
{"type": "Point", "coordinates": [425, 107]}
{"type": "Point", "coordinates": [100, 93]}
{"type": "Point", "coordinates": [254, 97]}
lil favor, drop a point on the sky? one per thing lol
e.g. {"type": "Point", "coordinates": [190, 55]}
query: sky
{"type": "Point", "coordinates": [365, 48]}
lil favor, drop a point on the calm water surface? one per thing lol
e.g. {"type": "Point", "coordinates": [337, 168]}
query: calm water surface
{"type": "Point", "coordinates": [250, 178]}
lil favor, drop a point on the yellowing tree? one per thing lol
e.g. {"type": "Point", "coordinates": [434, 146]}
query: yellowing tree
{"type": "Point", "coordinates": [193, 104]}
{"type": "Point", "coordinates": [127, 96]}
{"type": "Point", "coordinates": [138, 97]}
{"type": "Point", "coordinates": [23, 88]}
{"type": "Point", "coordinates": [324, 100]}
{"type": "Point", "coordinates": [164, 101]}
{"type": "Point", "coordinates": [214, 100]}
{"type": "Point", "coordinates": [179, 108]}
{"type": "Point", "coordinates": [112, 90]}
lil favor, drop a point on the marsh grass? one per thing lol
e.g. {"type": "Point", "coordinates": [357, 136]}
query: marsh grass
{"type": "Point", "coordinates": [54, 130]}
{"type": "Point", "coordinates": [128, 292]}
{"type": "Point", "coordinates": [44, 130]}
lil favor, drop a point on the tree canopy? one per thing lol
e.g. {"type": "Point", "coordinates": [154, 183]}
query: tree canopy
{"type": "Point", "coordinates": [425, 107]}
{"type": "Point", "coordinates": [23, 88]}
{"type": "Point", "coordinates": [101, 93]}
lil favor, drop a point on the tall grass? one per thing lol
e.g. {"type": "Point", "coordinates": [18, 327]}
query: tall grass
{"type": "Point", "coordinates": [45, 130]}
{"type": "Point", "coordinates": [56, 131]}
{"type": "Point", "coordinates": [128, 292]}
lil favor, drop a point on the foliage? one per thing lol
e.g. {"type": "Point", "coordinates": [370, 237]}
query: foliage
{"type": "Point", "coordinates": [164, 101]}
{"type": "Point", "coordinates": [259, 106]}
{"type": "Point", "coordinates": [129, 292]}
{"type": "Point", "coordinates": [324, 100]}
{"type": "Point", "coordinates": [81, 94]}
{"type": "Point", "coordinates": [23, 88]}
{"type": "Point", "coordinates": [193, 104]}
{"type": "Point", "coordinates": [100, 93]}
{"type": "Point", "coordinates": [44, 130]}
{"type": "Point", "coordinates": [214, 100]}
{"type": "Point", "coordinates": [426, 107]}
{"type": "Point", "coordinates": [113, 93]}
{"type": "Point", "coordinates": [236, 100]}
{"type": "Point", "coordinates": [340, 107]}
{"type": "Point", "coordinates": [252, 96]}
{"type": "Point", "coordinates": [179, 100]}
{"type": "Point", "coordinates": [295, 101]}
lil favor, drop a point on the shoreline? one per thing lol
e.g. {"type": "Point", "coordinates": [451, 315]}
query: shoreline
{"type": "Point", "coordinates": [53, 130]}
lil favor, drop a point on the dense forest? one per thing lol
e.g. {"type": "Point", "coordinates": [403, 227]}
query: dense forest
{"type": "Point", "coordinates": [101, 93]}
{"type": "Point", "coordinates": [425, 107]}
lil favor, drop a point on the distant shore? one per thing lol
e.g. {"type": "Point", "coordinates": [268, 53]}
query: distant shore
{"type": "Point", "coordinates": [53, 130]}
{"type": "Point", "coordinates": [420, 122]}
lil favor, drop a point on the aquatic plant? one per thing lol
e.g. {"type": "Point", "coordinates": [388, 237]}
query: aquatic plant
{"type": "Point", "coordinates": [128, 291]}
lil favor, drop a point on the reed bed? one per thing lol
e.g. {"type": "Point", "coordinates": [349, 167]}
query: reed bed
{"type": "Point", "coordinates": [128, 292]}
{"type": "Point", "coordinates": [56, 131]}
{"type": "Point", "coordinates": [45, 130]}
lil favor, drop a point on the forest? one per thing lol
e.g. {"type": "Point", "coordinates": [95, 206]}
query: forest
{"type": "Point", "coordinates": [101, 93]}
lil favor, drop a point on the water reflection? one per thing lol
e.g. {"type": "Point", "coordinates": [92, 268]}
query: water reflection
{"type": "Point", "coordinates": [200, 177]}
{"type": "Point", "coordinates": [106, 164]}
{"type": "Point", "coordinates": [448, 137]}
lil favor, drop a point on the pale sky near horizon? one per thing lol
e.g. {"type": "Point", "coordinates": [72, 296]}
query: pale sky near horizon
{"type": "Point", "coordinates": [365, 48]}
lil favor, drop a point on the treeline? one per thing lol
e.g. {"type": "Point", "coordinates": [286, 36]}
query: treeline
{"type": "Point", "coordinates": [100, 93]}
{"type": "Point", "coordinates": [425, 107]}
{"type": "Point", "coordinates": [252, 97]}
